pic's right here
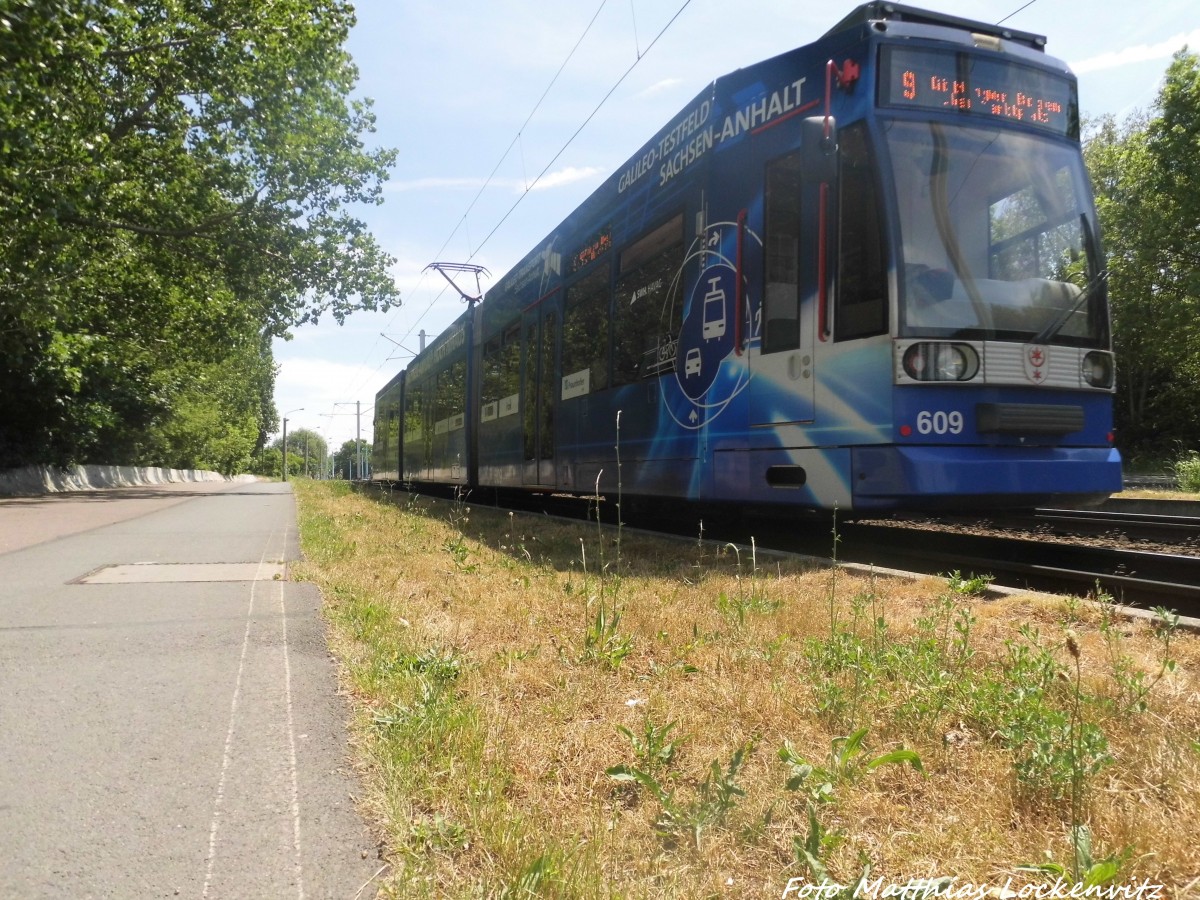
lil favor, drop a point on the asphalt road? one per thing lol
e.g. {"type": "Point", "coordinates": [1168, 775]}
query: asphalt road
{"type": "Point", "coordinates": [170, 728]}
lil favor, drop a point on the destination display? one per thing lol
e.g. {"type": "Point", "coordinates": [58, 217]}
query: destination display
{"type": "Point", "coordinates": [923, 78]}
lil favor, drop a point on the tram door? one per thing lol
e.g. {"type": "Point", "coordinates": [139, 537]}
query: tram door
{"type": "Point", "coordinates": [782, 386]}
{"type": "Point", "coordinates": [539, 390]}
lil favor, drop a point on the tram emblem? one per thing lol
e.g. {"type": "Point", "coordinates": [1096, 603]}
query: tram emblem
{"type": "Point", "coordinates": [1037, 358]}
{"type": "Point", "coordinates": [705, 357]}
{"type": "Point", "coordinates": [714, 310]}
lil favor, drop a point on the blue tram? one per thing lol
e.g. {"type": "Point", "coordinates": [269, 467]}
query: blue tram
{"type": "Point", "coordinates": [865, 274]}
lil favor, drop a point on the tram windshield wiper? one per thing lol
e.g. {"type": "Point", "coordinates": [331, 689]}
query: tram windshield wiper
{"type": "Point", "coordinates": [1047, 334]}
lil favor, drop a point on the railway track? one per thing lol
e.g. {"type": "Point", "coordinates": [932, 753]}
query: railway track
{"type": "Point", "coordinates": [1134, 577]}
{"type": "Point", "coordinates": [1179, 525]}
{"type": "Point", "coordinates": [1142, 553]}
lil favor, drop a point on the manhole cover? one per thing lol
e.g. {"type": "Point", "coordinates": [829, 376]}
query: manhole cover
{"type": "Point", "coordinates": [157, 573]}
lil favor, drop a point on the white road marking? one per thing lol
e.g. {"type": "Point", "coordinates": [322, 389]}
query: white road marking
{"type": "Point", "coordinates": [265, 573]}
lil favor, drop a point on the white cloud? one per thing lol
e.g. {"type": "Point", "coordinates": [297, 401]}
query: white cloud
{"type": "Point", "coordinates": [566, 176]}
{"type": "Point", "coordinates": [433, 184]}
{"type": "Point", "coordinates": [549, 181]}
{"type": "Point", "coordinates": [309, 391]}
{"type": "Point", "coordinates": [1137, 54]}
{"type": "Point", "coordinates": [660, 86]}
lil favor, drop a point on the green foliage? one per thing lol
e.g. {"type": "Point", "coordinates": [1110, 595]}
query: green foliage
{"type": "Point", "coordinates": [1146, 175]}
{"type": "Point", "coordinates": [752, 600]}
{"type": "Point", "coordinates": [351, 459]}
{"type": "Point", "coordinates": [852, 672]}
{"type": "Point", "coordinates": [437, 833]}
{"type": "Point", "coordinates": [174, 183]}
{"type": "Point", "coordinates": [1028, 703]}
{"type": "Point", "coordinates": [307, 452]}
{"type": "Point", "coordinates": [1132, 683]}
{"type": "Point", "coordinates": [540, 876]}
{"type": "Point", "coordinates": [441, 666]}
{"type": "Point", "coordinates": [456, 545]}
{"type": "Point", "coordinates": [816, 844]}
{"type": "Point", "coordinates": [1187, 471]}
{"type": "Point", "coordinates": [716, 796]}
{"type": "Point", "coordinates": [1041, 720]}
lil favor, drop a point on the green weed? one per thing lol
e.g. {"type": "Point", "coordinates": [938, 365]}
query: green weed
{"type": "Point", "coordinates": [651, 748]}
{"type": "Point", "coordinates": [965, 586]}
{"type": "Point", "coordinates": [846, 763]}
{"type": "Point", "coordinates": [537, 878]}
{"type": "Point", "coordinates": [602, 641]}
{"type": "Point", "coordinates": [1085, 869]}
{"type": "Point", "coordinates": [433, 834]}
{"type": "Point", "coordinates": [716, 796]}
{"type": "Point", "coordinates": [456, 544]}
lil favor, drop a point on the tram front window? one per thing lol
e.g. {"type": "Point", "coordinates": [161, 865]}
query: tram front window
{"type": "Point", "coordinates": [997, 236]}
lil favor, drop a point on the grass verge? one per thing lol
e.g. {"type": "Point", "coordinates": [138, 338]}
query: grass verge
{"type": "Point", "coordinates": [542, 710]}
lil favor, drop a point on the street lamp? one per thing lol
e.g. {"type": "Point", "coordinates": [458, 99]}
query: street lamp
{"type": "Point", "coordinates": [289, 412]}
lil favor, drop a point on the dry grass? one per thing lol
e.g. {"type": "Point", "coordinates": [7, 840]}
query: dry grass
{"type": "Point", "coordinates": [488, 701]}
{"type": "Point", "coordinates": [1148, 494]}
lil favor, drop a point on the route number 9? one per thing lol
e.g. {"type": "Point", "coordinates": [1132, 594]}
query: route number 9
{"type": "Point", "coordinates": [939, 422]}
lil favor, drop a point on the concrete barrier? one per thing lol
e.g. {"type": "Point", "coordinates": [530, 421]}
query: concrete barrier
{"type": "Point", "coordinates": [33, 480]}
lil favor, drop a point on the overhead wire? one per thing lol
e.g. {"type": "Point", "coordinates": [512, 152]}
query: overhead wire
{"type": "Point", "coordinates": [491, 177]}
{"type": "Point", "coordinates": [591, 116]}
{"type": "Point", "coordinates": [641, 54]}
{"type": "Point", "coordinates": [1015, 11]}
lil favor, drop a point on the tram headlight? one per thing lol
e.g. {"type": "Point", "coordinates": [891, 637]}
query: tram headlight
{"type": "Point", "coordinates": [930, 361]}
{"type": "Point", "coordinates": [1098, 369]}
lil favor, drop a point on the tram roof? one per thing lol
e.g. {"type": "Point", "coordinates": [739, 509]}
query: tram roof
{"type": "Point", "coordinates": [880, 11]}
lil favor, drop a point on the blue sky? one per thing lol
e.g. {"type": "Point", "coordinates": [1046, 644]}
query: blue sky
{"type": "Point", "coordinates": [480, 179]}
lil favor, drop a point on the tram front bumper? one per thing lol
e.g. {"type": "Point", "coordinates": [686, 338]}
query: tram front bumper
{"type": "Point", "coordinates": [963, 477]}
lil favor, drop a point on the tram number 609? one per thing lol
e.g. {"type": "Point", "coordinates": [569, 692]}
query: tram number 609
{"type": "Point", "coordinates": [939, 422]}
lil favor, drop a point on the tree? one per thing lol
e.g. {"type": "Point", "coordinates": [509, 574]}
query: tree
{"type": "Point", "coordinates": [303, 444]}
{"type": "Point", "coordinates": [1173, 142]}
{"type": "Point", "coordinates": [175, 187]}
{"type": "Point", "coordinates": [214, 421]}
{"type": "Point", "coordinates": [351, 459]}
{"type": "Point", "coordinates": [1146, 176]}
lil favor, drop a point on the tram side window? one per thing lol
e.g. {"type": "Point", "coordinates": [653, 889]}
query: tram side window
{"type": "Point", "coordinates": [510, 368]}
{"type": "Point", "coordinates": [451, 393]}
{"type": "Point", "coordinates": [645, 326]}
{"type": "Point", "coordinates": [585, 334]}
{"type": "Point", "coordinates": [417, 436]}
{"type": "Point", "coordinates": [493, 372]}
{"type": "Point", "coordinates": [781, 300]}
{"type": "Point", "coordinates": [546, 389]}
{"type": "Point", "coordinates": [443, 399]}
{"type": "Point", "coordinates": [458, 386]}
{"type": "Point", "coordinates": [501, 366]}
{"type": "Point", "coordinates": [529, 388]}
{"type": "Point", "coordinates": [392, 435]}
{"type": "Point", "coordinates": [862, 280]}
{"type": "Point", "coordinates": [414, 414]}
